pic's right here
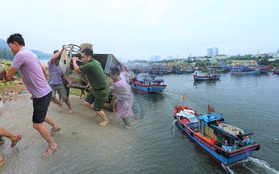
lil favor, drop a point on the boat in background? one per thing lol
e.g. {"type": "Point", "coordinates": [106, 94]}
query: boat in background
{"type": "Point", "coordinates": [264, 69]}
{"type": "Point", "coordinates": [149, 83]}
{"type": "Point", "coordinates": [207, 76]}
{"type": "Point", "coordinates": [245, 70]}
{"type": "Point", "coordinates": [227, 143]}
{"type": "Point", "coordinates": [276, 71]}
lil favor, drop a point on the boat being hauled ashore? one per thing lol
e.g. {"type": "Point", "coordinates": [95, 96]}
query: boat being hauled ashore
{"type": "Point", "coordinates": [149, 83]}
{"type": "Point", "coordinates": [227, 143]}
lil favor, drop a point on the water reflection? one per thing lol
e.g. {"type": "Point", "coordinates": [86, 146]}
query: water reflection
{"type": "Point", "coordinates": [208, 82]}
{"type": "Point", "coordinates": [192, 152]}
{"type": "Point", "coordinates": [144, 102]}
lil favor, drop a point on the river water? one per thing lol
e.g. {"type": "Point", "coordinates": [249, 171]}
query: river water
{"type": "Point", "coordinates": [249, 102]}
{"type": "Point", "coordinates": [154, 144]}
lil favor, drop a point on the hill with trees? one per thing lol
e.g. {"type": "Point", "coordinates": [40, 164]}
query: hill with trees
{"type": "Point", "coordinates": [6, 54]}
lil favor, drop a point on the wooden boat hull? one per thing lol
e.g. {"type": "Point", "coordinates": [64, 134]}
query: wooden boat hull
{"type": "Point", "coordinates": [246, 72]}
{"type": "Point", "coordinates": [221, 154]}
{"type": "Point", "coordinates": [147, 88]}
{"type": "Point", "coordinates": [148, 83]}
{"type": "Point", "coordinates": [203, 78]}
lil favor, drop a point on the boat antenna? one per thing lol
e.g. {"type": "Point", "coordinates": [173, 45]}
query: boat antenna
{"type": "Point", "coordinates": [210, 109]}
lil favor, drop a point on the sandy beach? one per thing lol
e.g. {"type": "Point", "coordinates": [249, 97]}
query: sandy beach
{"type": "Point", "coordinates": [83, 145]}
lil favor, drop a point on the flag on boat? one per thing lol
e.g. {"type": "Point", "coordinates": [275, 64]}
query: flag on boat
{"type": "Point", "coordinates": [210, 108]}
{"type": "Point", "coordinates": [184, 97]}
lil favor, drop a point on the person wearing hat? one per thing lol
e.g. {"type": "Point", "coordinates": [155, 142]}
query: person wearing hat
{"type": "Point", "coordinates": [56, 76]}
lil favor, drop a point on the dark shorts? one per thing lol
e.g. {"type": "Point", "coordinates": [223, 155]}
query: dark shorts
{"type": "Point", "coordinates": [98, 97]}
{"type": "Point", "coordinates": [40, 107]}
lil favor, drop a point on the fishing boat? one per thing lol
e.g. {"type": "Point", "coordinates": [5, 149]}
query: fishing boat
{"type": "Point", "coordinates": [227, 143]}
{"type": "Point", "coordinates": [149, 83]}
{"type": "Point", "coordinates": [276, 71]}
{"type": "Point", "coordinates": [264, 69]}
{"type": "Point", "coordinates": [208, 76]}
{"type": "Point", "coordinates": [245, 70]}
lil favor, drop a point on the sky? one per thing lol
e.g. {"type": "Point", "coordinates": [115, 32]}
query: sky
{"type": "Point", "coordinates": [139, 29]}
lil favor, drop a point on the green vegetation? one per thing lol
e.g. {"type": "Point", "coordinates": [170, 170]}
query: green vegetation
{"type": "Point", "coordinates": [275, 64]}
{"type": "Point", "coordinates": [6, 54]}
{"type": "Point", "coordinates": [74, 91]}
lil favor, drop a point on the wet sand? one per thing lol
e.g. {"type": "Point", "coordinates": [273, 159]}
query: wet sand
{"type": "Point", "coordinates": [83, 145]}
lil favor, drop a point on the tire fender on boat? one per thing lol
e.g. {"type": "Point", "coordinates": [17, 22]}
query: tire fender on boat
{"type": "Point", "coordinates": [218, 150]}
{"type": "Point", "coordinates": [258, 148]}
{"type": "Point", "coordinates": [226, 154]}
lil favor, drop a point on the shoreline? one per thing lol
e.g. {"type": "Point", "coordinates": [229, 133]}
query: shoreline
{"type": "Point", "coordinates": [80, 134]}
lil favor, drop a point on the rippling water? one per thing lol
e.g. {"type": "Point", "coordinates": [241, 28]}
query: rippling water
{"type": "Point", "coordinates": [250, 102]}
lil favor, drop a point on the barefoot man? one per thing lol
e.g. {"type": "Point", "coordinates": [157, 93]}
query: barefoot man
{"type": "Point", "coordinates": [99, 86]}
{"type": "Point", "coordinates": [34, 77]}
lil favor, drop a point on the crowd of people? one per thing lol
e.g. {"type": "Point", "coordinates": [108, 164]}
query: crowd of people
{"type": "Point", "coordinates": [43, 91]}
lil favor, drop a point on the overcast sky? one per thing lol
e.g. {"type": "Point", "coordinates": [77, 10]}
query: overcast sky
{"type": "Point", "coordinates": [137, 29]}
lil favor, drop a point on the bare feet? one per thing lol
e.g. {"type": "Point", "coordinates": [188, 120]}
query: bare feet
{"type": "Point", "coordinates": [70, 111]}
{"type": "Point", "coordinates": [15, 140]}
{"type": "Point", "coordinates": [54, 130]}
{"type": "Point", "coordinates": [49, 151]}
{"type": "Point", "coordinates": [2, 161]}
{"type": "Point", "coordinates": [104, 123]}
{"type": "Point", "coordinates": [1, 141]}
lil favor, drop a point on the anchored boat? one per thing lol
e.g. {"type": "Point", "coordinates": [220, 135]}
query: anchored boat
{"type": "Point", "coordinates": [208, 76]}
{"type": "Point", "coordinates": [227, 143]}
{"type": "Point", "coordinates": [149, 83]}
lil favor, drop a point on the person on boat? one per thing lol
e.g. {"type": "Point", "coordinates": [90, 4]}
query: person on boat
{"type": "Point", "coordinates": [240, 137]}
{"type": "Point", "coordinates": [99, 86]}
{"type": "Point", "coordinates": [56, 83]}
{"type": "Point", "coordinates": [123, 94]}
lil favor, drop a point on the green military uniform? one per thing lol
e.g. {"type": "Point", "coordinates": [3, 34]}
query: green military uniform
{"type": "Point", "coordinates": [97, 79]}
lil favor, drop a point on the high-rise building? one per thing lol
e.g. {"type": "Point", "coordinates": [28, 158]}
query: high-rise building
{"type": "Point", "coordinates": [212, 51]}
{"type": "Point", "coordinates": [155, 58]}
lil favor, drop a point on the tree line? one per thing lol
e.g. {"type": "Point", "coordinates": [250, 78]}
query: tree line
{"type": "Point", "coordinates": [6, 54]}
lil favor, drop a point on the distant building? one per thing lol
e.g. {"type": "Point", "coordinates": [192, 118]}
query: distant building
{"type": "Point", "coordinates": [169, 57]}
{"type": "Point", "coordinates": [276, 55]}
{"type": "Point", "coordinates": [212, 51]}
{"type": "Point", "coordinates": [155, 58]}
{"type": "Point", "coordinates": [243, 62]}
{"type": "Point", "coordinates": [221, 56]}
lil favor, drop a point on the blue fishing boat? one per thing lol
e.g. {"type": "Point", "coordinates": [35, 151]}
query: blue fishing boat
{"type": "Point", "coordinates": [276, 71]}
{"type": "Point", "coordinates": [149, 83]}
{"type": "Point", "coordinates": [227, 143]}
{"type": "Point", "coordinates": [264, 69]}
{"type": "Point", "coordinates": [208, 76]}
{"type": "Point", "coordinates": [245, 70]}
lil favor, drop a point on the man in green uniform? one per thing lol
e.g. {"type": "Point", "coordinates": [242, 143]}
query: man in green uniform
{"type": "Point", "coordinates": [98, 83]}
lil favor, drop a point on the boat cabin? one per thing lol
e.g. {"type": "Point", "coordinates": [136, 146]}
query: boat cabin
{"type": "Point", "coordinates": [227, 136]}
{"type": "Point", "coordinates": [149, 79]}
